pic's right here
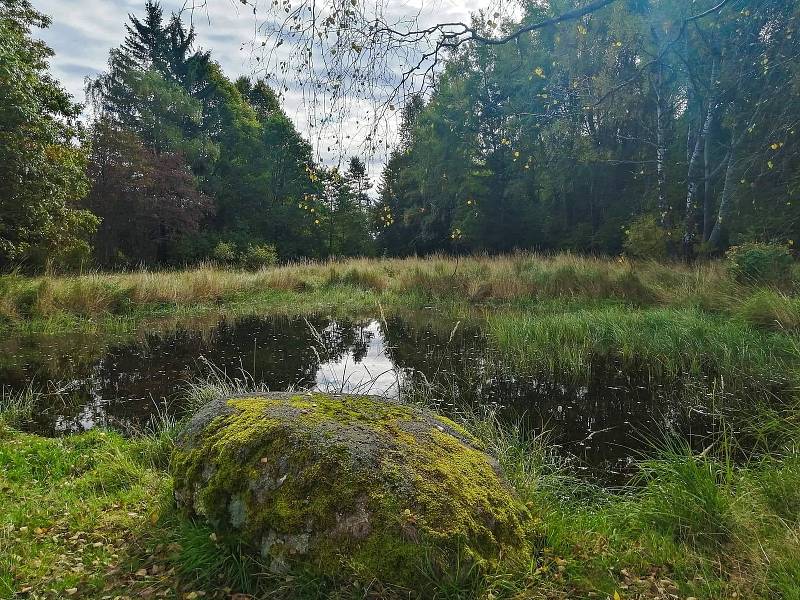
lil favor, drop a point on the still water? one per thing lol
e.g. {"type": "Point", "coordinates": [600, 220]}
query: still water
{"type": "Point", "coordinates": [123, 383]}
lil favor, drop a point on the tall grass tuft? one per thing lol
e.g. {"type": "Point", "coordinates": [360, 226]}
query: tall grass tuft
{"type": "Point", "coordinates": [687, 495]}
{"type": "Point", "coordinates": [363, 277]}
{"type": "Point", "coordinates": [663, 343]}
{"type": "Point", "coordinates": [772, 309]}
{"type": "Point", "coordinates": [218, 384]}
{"type": "Point", "coordinates": [17, 407]}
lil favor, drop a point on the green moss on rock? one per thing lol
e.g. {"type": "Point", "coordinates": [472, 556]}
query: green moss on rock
{"type": "Point", "coordinates": [347, 487]}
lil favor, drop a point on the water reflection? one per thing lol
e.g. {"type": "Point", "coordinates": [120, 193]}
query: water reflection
{"type": "Point", "coordinates": [124, 382]}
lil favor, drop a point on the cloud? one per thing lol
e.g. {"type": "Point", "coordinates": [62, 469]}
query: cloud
{"type": "Point", "coordinates": [83, 32]}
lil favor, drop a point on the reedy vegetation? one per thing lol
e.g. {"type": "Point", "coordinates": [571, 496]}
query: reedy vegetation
{"type": "Point", "coordinates": [695, 524]}
{"type": "Point", "coordinates": [554, 314]}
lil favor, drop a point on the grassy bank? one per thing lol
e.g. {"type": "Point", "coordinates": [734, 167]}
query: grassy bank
{"type": "Point", "coordinates": [560, 314]}
{"type": "Point", "coordinates": [91, 516]}
{"type": "Point", "coordinates": [520, 281]}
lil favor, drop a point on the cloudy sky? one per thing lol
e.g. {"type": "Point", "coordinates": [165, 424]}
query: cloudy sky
{"type": "Point", "coordinates": [83, 31]}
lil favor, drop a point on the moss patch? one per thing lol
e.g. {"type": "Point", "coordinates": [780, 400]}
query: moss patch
{"type": "Point", "coordinates": [347, 487]}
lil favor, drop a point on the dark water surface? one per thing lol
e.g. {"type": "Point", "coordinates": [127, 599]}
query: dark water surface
{"type": "Point", "coordinates": [123, 383]}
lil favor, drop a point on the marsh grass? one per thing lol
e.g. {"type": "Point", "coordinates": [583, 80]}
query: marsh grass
{"type": "Point", "coordinates": [687, 495]}
{"type": "Point", "coordinates": [475, 279]}
{"type": "Point", "coordinates": [692, 524]}
{"type": "Point", "coordinates": [556, 314]}
{"type": "Point", "coordinates": [17, 407]}
{"type": "Point", "coordinates": [664, 344]}
{"type": "Point", "coordinates": [771, 309]}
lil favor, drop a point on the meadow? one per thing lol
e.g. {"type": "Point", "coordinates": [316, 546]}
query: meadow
{"type": "Point", "coordinates": [91, 515]}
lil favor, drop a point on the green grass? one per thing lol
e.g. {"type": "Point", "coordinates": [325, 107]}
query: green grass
{"type": "Point", "coordinates": [663, 343]}
{"type": "Point", "coordinates": [18, 407]}
{"type": "Point", "coordinates": [91, 516]}
{"type": "Point", "coordinates": [519, 280]}
{"type": "Point", "coordinates": [560, 315]}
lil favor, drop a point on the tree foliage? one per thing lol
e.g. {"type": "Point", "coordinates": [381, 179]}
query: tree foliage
{"type": "Point", "coordinates": [147, 201]}
{"type": "Point", "coordinates": [175, 105]}
{"type": "Point", "coordinates": [41, 161]}
{"type": "Point", "coordinates": [561, 140]}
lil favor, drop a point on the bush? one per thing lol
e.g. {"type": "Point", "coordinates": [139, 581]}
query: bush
{"type": "Point", "coordinates": [758, 262]}
{"type": "Point", "coordinates": [645, 238]}
{"type": "Point", "coordinates": [225, 253]}
{"type": "Point", "coordinates": [259, 256]}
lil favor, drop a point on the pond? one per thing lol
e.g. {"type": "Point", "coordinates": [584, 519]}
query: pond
{"type": "Point", "coordinates": [123, 383]}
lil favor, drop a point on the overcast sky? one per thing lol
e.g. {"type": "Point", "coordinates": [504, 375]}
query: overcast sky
{"type": "Point", "coordinates": [83, 31]}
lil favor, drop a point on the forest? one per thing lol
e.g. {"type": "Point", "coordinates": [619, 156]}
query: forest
{"type": "Point", "coordinates": [639, 130]}
{"type": "Point", "coordinates": [177, 164]}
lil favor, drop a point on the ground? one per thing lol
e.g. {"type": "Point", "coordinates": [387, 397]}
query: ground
{"type": "Point", "coordinates": [91, 516]}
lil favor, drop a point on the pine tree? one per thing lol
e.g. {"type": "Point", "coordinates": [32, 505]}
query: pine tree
{"type": "Point", "coordinates": [358, 180]}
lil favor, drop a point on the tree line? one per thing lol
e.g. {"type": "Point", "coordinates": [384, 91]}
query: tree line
{"type": "Point", "coordinates": [653, 127]}
{"type": "Point", "coordinates": [178, 163]}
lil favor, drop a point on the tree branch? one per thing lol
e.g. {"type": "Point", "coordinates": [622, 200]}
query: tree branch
{"type": "Point", "coordinates": [567, 16]}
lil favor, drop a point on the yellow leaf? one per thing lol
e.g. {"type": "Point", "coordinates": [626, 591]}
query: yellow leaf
{"type": "Point", "coordinates": [770, 164]}
{"type": "Point", "coordinates": [617, 596]}
{"type": "Point", "coordinates": [539, 71]}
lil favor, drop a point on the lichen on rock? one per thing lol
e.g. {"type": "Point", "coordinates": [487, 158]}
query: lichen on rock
{"type": "Point", "coordinates": [358, 487]}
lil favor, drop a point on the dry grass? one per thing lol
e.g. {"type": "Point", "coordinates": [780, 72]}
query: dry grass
{"type": "Point", "coordinates": [516, 278]}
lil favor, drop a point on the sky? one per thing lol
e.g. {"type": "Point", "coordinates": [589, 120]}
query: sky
{"type": "Point", "coordinates": [83, 31]}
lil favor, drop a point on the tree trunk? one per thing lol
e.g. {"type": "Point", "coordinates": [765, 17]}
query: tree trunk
{"type": "Point", "coordinates": [708, 207]}
{"type": "Point", "coordinates": [661, 153]}
{"type": "Point", "coordinates": [691, 188]}
{"type": "Point", "coordinates": [725, 203]}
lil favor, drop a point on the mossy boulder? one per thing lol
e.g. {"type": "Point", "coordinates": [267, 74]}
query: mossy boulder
{"type": "Point", "coordinates": [352, 487]}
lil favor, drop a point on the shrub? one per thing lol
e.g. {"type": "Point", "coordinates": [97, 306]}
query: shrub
{"type": "Point", "coordinates": [259, 256]}
{"type": "Point", "coordinates": [224, 252]}
{"type": "Point", "coordinates": [645, 238]}
{"type": "Point", "coordinates": [758, 262]}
